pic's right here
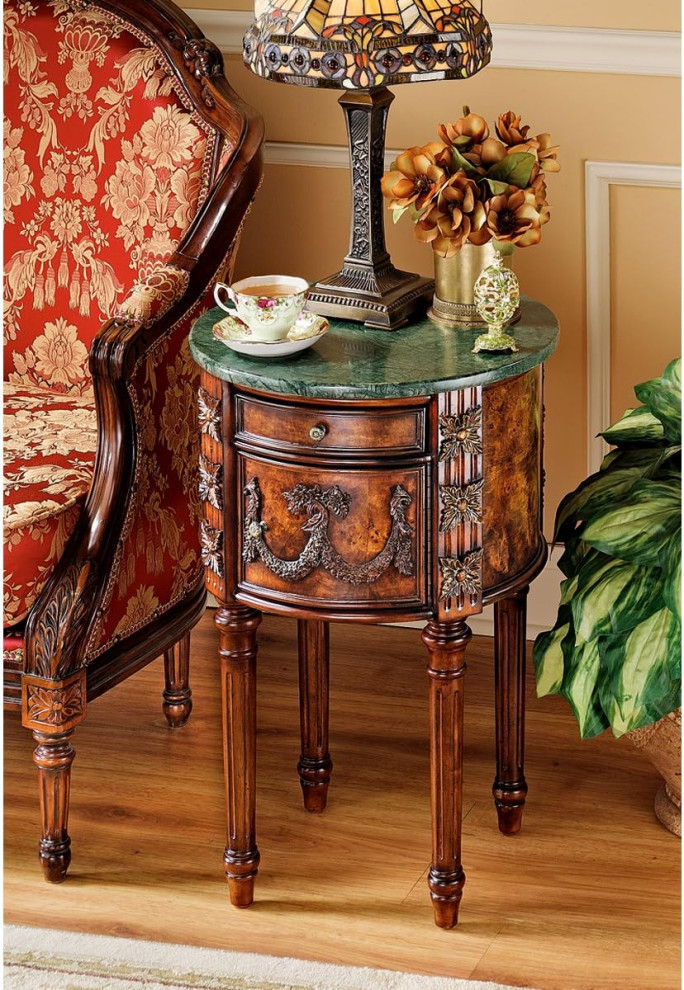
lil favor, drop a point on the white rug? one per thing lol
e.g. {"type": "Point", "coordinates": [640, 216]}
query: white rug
{"type": "Point", "coordinates": [45, 959]}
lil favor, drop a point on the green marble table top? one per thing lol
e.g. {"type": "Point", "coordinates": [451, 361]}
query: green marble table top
{"type": "Point", "coordinates": [353, 362]}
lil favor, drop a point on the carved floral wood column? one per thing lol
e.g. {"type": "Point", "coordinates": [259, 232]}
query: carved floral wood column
{"type": "Point", "coordinates": [403, 486]}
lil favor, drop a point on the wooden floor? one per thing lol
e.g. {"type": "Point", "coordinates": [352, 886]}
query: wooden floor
{"type": "Point", "coordinates": [587, 896]}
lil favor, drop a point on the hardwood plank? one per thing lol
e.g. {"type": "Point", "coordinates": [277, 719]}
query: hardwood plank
{"type": "Point", "coordinates": [591, 877]}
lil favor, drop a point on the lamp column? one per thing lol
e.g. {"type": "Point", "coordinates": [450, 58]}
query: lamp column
{"type": "Point", "coordinates": [369, 288]}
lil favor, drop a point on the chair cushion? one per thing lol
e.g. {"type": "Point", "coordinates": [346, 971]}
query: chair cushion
{"type": "Point", "coordinates": [49, 450]}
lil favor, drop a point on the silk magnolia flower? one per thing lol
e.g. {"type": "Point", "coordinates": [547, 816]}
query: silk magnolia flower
{"type": "Point", "coordinates": [472, 187]}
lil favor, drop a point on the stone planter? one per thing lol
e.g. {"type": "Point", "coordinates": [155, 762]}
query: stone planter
{"type": "Point", "coordinates": [662, 743]}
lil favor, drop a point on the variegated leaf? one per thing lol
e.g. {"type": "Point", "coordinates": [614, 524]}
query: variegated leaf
{"type": "Point", "coordinates": [641, 527]}
{"type": "Point", "coordinates": [641, 673]}
{"type": "Point", "coordinates": [636, 426]}
{"type": "Point", "coordinates": [579, 687]}
{"type": "Point", "coordinates": [663, 397]}
{"type": "Point", "coordinates": [548, 660]}
{"type": "Point", "coordinates": [591, 496]}
{"type": "Point", "coordinates": [613, 597]}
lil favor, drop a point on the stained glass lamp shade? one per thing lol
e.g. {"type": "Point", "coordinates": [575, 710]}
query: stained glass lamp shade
{"type": "Point", "coordinates": [362, 47]}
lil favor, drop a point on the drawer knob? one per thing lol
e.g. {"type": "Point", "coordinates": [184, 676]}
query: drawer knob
{"type": "Point", "coordinates": [318, 432]}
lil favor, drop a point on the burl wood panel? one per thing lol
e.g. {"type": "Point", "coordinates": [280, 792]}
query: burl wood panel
{"type": "Point", "coordinates": [512, 476]}
{"type": "Point", "coordinates": [287, 427]}
{"type": "Point", "coordinates": [359, 536]}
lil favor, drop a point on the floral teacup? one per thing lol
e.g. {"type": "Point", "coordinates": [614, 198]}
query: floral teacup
{"type": "Point", "coordinates": [268, 304]}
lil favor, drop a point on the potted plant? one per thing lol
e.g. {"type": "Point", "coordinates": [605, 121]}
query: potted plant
{"type": "Point", "coordinates": [614, 651]}
{"type": "Point", "coordinates": [469, 194]}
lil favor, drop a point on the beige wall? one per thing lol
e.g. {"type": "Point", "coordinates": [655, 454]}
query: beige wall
{"type": "Point", "coordinates": [661, 15]}
{"type": "Point", "coordinates": [300, 221]}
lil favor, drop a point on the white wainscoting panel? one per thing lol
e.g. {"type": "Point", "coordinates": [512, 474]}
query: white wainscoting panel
{"type": "Point", "coordinates": [600, 176]}
{"type": "Point", "coordinates": [520, 46]}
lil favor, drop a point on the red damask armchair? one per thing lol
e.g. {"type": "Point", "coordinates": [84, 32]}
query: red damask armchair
{"type": "Point", "coordinates": [129, 167]}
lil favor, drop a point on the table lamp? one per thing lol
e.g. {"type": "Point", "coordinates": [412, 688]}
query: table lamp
{"type": "Point", "coordinates": [362, 47]}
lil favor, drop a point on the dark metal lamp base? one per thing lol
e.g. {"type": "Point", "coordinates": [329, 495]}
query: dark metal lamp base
{"type": "Point", "coordinates": [385, 299]}
{"type": "Point", "coordinates": [369, 289]}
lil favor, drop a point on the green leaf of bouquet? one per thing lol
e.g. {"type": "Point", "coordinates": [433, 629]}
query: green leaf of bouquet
{"type": "Point", "coordinates": [497, 187]}
{"type": "Point", "coordinates": [416, 214]}
{"type": "Point", "coordinates": [641, 673]}
{"type": "Point", "coordinates": [636, 426]}
{"type": "Point", "coordinates": [505, 248]}
{"type": "Point", "coordinates": [515, 169]}
{"type": "Point", "coordinates": [642, 527]}
{"type": "Point", "coordinates": [462, 164]}
{"type": "Point", "coordinates": [547, 654]}
{"type": "Point", "coordinates": [398, 213]}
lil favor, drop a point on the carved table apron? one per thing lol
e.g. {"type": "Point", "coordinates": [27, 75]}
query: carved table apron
{"type": "Point", "coordinates": [374, 477]}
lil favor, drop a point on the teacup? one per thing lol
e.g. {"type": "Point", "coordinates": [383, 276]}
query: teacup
{"type": "Point", "coordinates": [268, 304]}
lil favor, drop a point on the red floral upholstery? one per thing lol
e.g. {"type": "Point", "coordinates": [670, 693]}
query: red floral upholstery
{"type": "Point", "coordinates": [105, 167]}
{"type": "Point", "coordinates": [49, 450]}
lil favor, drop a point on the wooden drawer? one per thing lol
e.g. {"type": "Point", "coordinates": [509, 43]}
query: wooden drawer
{"type": "Point", "coordinates": [332, 539]}
{"type": "Point", "coordinates": [293, 428]}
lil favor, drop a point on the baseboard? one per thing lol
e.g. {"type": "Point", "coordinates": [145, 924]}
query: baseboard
{"type": "Point", "coordinates": [542, 604]}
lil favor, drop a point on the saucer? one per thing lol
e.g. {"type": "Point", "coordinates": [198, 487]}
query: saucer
{"type": "Point", "coordinates": [307, 329]}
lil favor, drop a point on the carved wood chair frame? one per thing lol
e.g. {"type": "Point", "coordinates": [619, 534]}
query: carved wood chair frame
{"type": "Point", "coordinates": [56, 683]}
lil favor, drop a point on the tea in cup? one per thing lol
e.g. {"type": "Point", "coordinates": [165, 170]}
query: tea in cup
{"type": "Point", "coordinates": [268, 304]}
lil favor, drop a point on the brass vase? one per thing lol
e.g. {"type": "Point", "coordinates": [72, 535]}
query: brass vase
{"type": "Point", "coordinates": [453, 304]}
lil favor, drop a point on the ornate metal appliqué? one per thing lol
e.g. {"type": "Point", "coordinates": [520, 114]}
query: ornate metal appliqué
{"type": "Point", "coordinates": [460, 505]}
{"type": "Point", "coordinates": [210, 485]}
{"type": "Point", "coordinates": [211, 541]}
{"type": "Point", "coordinates": [461, 433]}
{"type": "Point", "coordinates": [461, 576]}
{"type": "Point", "coordinates": [209, 415]}
{"type": "Point", "coordinates": [318, 504]}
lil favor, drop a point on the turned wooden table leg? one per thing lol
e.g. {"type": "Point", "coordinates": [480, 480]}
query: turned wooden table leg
{"type": "Point", "coordinates": [238, 652]}
{"type": "Point", "coordinates": [315, 765]}
{"type": "Point", "coordinates": [53, 756]}
{"type": "Point", "coordinates": [510, 786]}
{"type": "Point", "coordinates": [177, 696]}
{"type": "Point", "coordinates": [446, 643]}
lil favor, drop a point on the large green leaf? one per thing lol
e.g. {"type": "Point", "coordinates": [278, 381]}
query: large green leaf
{"type": "Point", "coordinates": [672, 578]}
{"type": "Point", "coordinates": [641, 673]}
{"type": "Point", "coordinates": [580, 688]}
{"type": "Point", "coordinates": [613, 596]}
{"type": "Point", "coordinates": [574, 553]}
{"type": "Point", "coordinates": [547, 654]}
{"type": "Point", "coordinates": [650, 460]}
{"type": "Point", "coordinates": [641, 527]}
{"type": "Point", "coordinates": [663, 397]}
{"type": "Point", "coordinates": [515, 169]}
{"type": "Point", "coordinates": [673, 374]}
{"type": "Point", "coordinates": [636, 426]}
{"type": "Point", "coordinates": [596, 492]}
